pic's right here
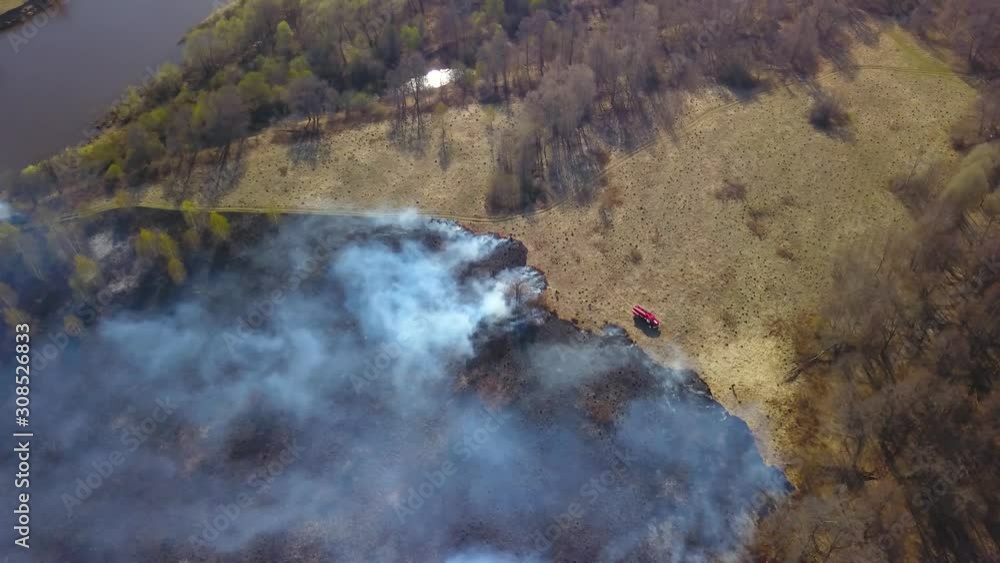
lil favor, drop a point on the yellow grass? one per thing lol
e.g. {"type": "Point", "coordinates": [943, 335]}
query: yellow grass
{"type": "Point", "coordinates": [8, 5]}
{"type": "Point", "coordinates": [720, 291]}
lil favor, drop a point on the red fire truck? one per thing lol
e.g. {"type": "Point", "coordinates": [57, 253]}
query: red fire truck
{"type": "Point", "coordinates": [646, 316]}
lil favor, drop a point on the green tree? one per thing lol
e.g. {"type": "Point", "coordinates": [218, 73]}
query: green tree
{"type": "Point", "coordinates": [411, 37]}
{"type": "Point", "coordinates": [166, 84]}
{"type": "Point", "coordinates": [256, 93]}
{"type": "Point", "coordinates": [86, 275]}
{"type": "Point", "coordinates": [168, 247]}
{"type": "Point", "coordinates": [104, 150]}
{"type": "Point", "coordinates": [219, 226]}
{"type": "Point", "coordinates": [155, 121]}
{"type": "Point", "coordinates": [190, 212]}
{"type": "Point", "coordinates": [298, 67]}
{"type": "Point", "coordinates": [284, 39]}
{"type": "Point", "coordinates": [142, 147]}
{"type": "Point", "coordinates": [114, 174]}
{"type": "Point", "coordinates": [176, 271]}
{"type": "Point", "coordinates": [121, 199]}
{"type": "Point", "coordinates": [146, 243]}
{"type": "Point", "coordinates": [221, 117]}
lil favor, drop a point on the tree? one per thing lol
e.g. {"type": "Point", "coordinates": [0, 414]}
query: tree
{"type": "Point", "coordinates": [166, 84]}
{"type": "Point", "coordinates": [104, 150]}
{"type": "Point", "coordinates": [142, 147]}
{"type": "Point", "coordinates": [412, 69]}
{"type": "Point", "coordinates": [284, 40]}
{"type": "Point", "coordinates": [308, 98]}
{"type": "Point", "coordinates": [534, 33]}
{"type": "Point", "coordinates": [114, 174]}
{"type": "Point", "coordinates": [605, 62]}
{"type": "Point", "coordinates": [495, 56]}
{"type": "Point", "coordinates": [222, 117]}
{"type": "Point", "coordinates": [146, 243]}
{"type": "Point", "coordinates": [257, 94]}
{"type": "Point", "coordinates": [562, 100]}
{"type": "Point", "coordinates": [190, 212]}
{"type": "Point", "coordinates": [573, 28]}
{"type": "Point", "coordinates": [180, 133]}
{"type": "Point", "coordinates": [201, 51]}
{"type": "Point", "coordinates": [827, 112]}
{"type": "Point", "coordinates": [988, 109]}
{"type": "Point", "coordinates": [411, 36]}
{"type": "Point", "coordinates": [86, 275]}
{"type": "Point", "coordinates": [176, 271]}
{"type": "Point", "coordinates": [358, 102]}
{"type": "Point", "coordinates": [219, 226]}
{"type": "Point", "coordinates": [121, 199]}
{"type": "Point", "coordinates": [191, 238]}
{"type": "Point", "coordinates": [167, 246]}
{"type": "Point", "coordinates": [8, 296]}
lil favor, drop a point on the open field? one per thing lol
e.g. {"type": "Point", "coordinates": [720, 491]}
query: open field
{"type": "Point", "coordinates": [721, 290]}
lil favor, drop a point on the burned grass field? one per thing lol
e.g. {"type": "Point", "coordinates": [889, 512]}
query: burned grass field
{"type": "Point", "coordinates": [373, 390]}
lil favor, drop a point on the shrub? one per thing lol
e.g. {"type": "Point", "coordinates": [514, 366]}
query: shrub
{"type": "Point", "coordinates": [731, 191]}
{"type": "Point", "coordinates": [737, 77]}
{"type": "Point", "coordinates": [828, 113]}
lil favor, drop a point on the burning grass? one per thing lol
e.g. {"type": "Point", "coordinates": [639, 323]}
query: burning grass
{"type": "Point", "coordinates": [402, 394]}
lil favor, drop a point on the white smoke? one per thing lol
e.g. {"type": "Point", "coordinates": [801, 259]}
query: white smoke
{"type": "Point", "coordinates": [432, 419]}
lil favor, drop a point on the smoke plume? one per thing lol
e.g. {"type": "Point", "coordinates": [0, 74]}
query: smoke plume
{"type": "Point", "coordinates": [385, 390]}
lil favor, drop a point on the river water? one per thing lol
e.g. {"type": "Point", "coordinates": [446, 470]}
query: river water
{"type": "Point", "coordinates": [57, 77]}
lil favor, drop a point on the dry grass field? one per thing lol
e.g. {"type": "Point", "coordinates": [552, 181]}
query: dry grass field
{"type": "Point", "coordinates": [8, 5]}
{"type": "Point", "coordinates": [722, 275]}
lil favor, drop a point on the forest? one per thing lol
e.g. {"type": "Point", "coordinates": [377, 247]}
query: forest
{"type": "Point", "coordinates": [896, 421]}
{"type": "Point", "coordinates": [621, 67]}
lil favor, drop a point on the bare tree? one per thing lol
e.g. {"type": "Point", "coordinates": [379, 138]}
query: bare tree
{"type": "Point", "coordinates": [414, 68]}
{"type": "Point", "coordinates": [562, 100]}
{"type": "Point", "coordinates": [534, 34]}
{"type": "Point", "coordinates": [495, 56]}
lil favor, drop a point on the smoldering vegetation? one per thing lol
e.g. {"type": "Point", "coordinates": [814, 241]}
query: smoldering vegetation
{"type": "Point", "coordinates": [378, 390]}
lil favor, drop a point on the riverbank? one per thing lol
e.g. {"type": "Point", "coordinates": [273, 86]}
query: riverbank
{"type": "Point", "coordinates": [133, 36]}
{"type": "Point", "coordinates": [13, 12]}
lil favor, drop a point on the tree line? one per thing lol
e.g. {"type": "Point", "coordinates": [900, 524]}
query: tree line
{"type": "Point", "coordinates": [896, 423]}
{"type": "Point", "coordinates": [259, 61]}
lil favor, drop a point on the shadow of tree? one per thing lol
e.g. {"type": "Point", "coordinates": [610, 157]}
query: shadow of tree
{"type": "Point", "coordinates": [309, 148]}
